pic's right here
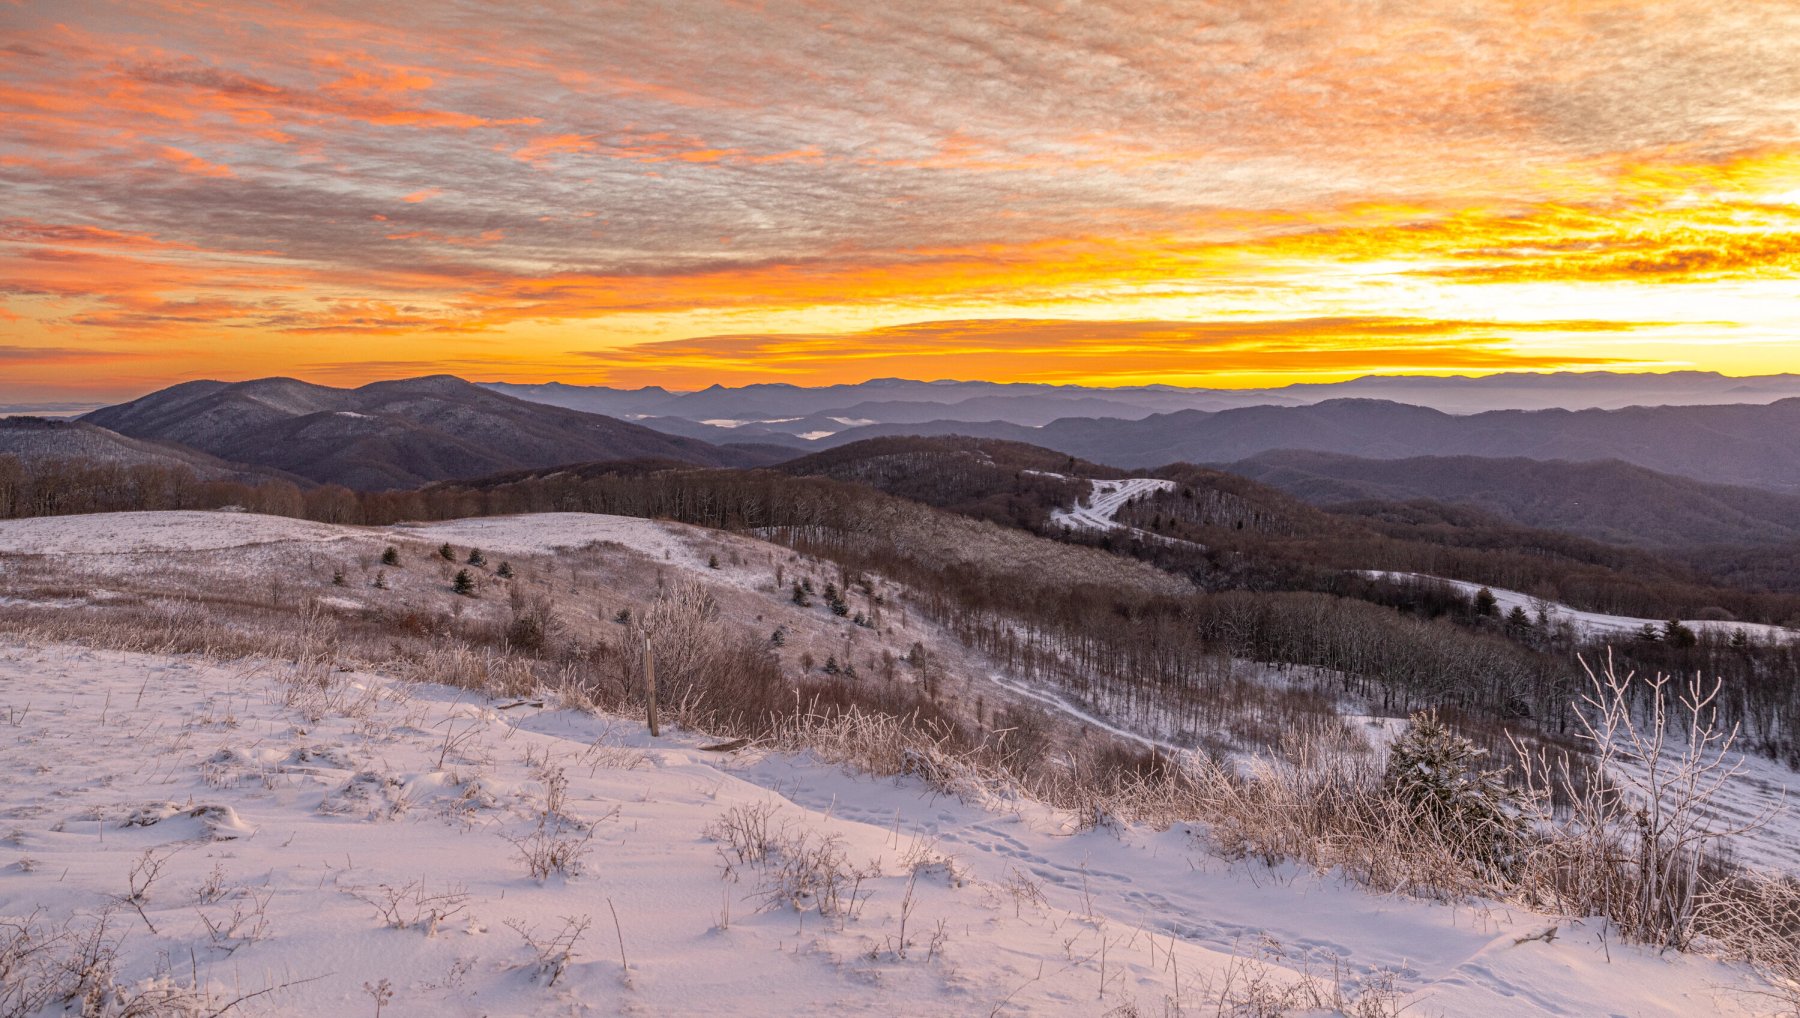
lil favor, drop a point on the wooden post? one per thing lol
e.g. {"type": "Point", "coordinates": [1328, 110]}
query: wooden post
{"type": "Point", "coordinates": [650, 686]}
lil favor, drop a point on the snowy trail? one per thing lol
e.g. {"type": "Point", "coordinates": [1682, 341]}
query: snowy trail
{"type": "Point", "coordinates": [302, 817]}
{"type": "Point", "coordinates": [1107, 499]}
{"type": "Point", "coordinates": [1594, 623]}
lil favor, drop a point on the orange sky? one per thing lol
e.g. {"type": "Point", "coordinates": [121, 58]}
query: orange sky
{"type": "Point", "coordinates": [677, 193]}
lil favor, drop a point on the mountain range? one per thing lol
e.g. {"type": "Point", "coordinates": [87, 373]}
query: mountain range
{"type": "Point", "coordinates": [391, 434]}
{"type": "Point", "coordinates": [1607, 500]}
{"type": "Point", "coordinates": [779, 412]}
{"type": "Point", "coordinates": [1747, 445]}
{"type": "Point", "coordinates": [1660, 475]}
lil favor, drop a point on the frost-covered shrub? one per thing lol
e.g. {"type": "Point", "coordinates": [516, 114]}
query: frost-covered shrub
{"type": "Point", "coordinates": [1438, 778]}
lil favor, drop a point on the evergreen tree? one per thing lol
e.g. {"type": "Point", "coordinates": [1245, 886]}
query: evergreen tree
{"type": "Point", "coordinates": [831, 665]}
{"type": "Point", "coordinates": [476, 558]}
{"type": "Point", "coordinates": [800, 596]}
{"type": "Point", "coordinates": [712, 562]}
{"type": "Point", "coordinates": [777, 638]}
{"type": "Point", "coordinates": [1437, 775]}
{"type": "Point", "coordinates": [337, 578]}
{"type": "Point", "coordinates": [1677, 635]}
{"type": "Point", "coordinates": [464, 584]}
{"type": "Point", "coordinates": [1517, 619]}
{"type": "Point", "coordinates": [390, 557]}
{"type": "Point", "coordinates": [623, 616]}
{"type": "Point", "coordinates": [380, 580]}
{"type": "Point", "coordinates": [1485, 603]}
{"type": "Point", "coordinates": [505, 571]}
{"type": "Point", "coordinates": [447, 553]}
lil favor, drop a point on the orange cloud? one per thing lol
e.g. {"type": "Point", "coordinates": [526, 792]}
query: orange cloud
{"type": "Point", "coordinates": [187, 162]}
{"type": "Point", "coordinates": [1102, 352]}
{"type": "Point", "coordinates": [542, 148]}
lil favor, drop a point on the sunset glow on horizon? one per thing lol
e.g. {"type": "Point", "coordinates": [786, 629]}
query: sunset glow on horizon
{"type": "Point", "coordinates": [682, 194]}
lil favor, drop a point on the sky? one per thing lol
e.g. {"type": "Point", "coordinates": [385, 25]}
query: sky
{"type": "Point", "coordinates": [1111, 192]}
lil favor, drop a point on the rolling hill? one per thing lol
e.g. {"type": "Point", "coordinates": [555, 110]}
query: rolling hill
{"type": "Point", "coordinates": [390, 434]}
{"type": "Point", "coordinates": [38, 439]}
{"type": "Point", "coordinates": [1608, 500]}
{"type": "Point", "coordinates": [1748, 445]}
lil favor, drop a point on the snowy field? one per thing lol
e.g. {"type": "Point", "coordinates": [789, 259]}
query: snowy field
{"type": "Point", "coordinates": [132, 533]}
{"type": "Point", "coordinates": [329, 840]}
{"type": "Point", "coordinates": [1594, 623]}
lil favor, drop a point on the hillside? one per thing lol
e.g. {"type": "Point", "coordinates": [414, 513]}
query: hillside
{"type": "Point", "coordinates": [319, 853]}
{"type": "Point", "coordinates": [389, 434]}
{"type": "Point", "coordinates": [1746, 445]}
{"type": "Point", "coordinates": [1006, 482]}
{"type": "Point", "coordinates": [1606, 500]}
{"type": "Point", "coordinates": [38, 439]}
{"type": "Point", "coordinates": [354, 781]}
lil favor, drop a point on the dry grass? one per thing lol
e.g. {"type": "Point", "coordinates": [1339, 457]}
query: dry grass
{"type": "Point", "coordinates": [1313, 795]}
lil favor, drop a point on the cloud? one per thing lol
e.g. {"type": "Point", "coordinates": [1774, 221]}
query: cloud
{"type": "Point", "coordinates": [386, 174]}
{"type": "Point", "coordinates": [21, 355]}
{"type": "Point", "coordinates": [1108, 352]}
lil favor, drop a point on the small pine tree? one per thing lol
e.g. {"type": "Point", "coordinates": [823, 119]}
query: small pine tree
{"type": "Point", "coordinates": [337, 578]}
{"type": "Point", "coordinates": [390, 557]}
{"type": "Point", "coordinates": [712, 561]}
{"type": "Point", "coordinates": [623, 616]}
{"type": "Point", "coordinates": [806, 584]}
{"type": "Point", "coordinates": [1649, 633]}
{"type": "Point", "coordinates": [380, 580]}
{"type": "Point", "coordinates": [476, 558]}
{"type": "Point", "coordinates": [1485, 603]}
{"type": "Point", "coordinates": [1517, 619]}
{"type": "Point", "coordinates": [861, 620]}
{"type": "Point", "coordinates": [777, 638]}
{"type": "Point", "coordinates": [447, 553]}
{"type": "Point", "coordinates": [831, 665]}
{"type": "Point", "coordinates": [800, 596]}
{"type": "Point", "coordinates": [1437, 776]}
{"type": "Point", "coordinates": [464, 584]}
{"type": "Point", "coordinates": [505, 571]}
{"type": "Point", "coordinates": [1739, 639]}
{"type": "Point", "coordinates": [1677, 635]}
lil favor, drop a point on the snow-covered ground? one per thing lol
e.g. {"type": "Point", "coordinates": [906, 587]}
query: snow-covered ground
{"type": "Point", "coordinates": [134, 533]}
{"type": "Point", "coordinates": [1105, 501]}
{"type": "Point", "coordinates": [1594, 623]}
{"type": "Point", "coordinates": [304, 835]}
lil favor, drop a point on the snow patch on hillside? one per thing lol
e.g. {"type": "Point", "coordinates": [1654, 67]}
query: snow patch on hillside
{"type": "Point", "coordinates": [1593, 623]}
{"type": "Point", "coordinates": [137, 532]}
{"type": "Point", "coordinates": [1104, 502]}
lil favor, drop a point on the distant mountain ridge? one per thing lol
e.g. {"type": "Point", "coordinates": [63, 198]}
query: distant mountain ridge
{"type": "Point", "coordinates": [1749, 445]}
{"type": "Point", "coordinates": [783, 412]}
{"type": "Point", "coordinates": [396, 434]}
{"type": "Point", "coordinates": [1607, 500]}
